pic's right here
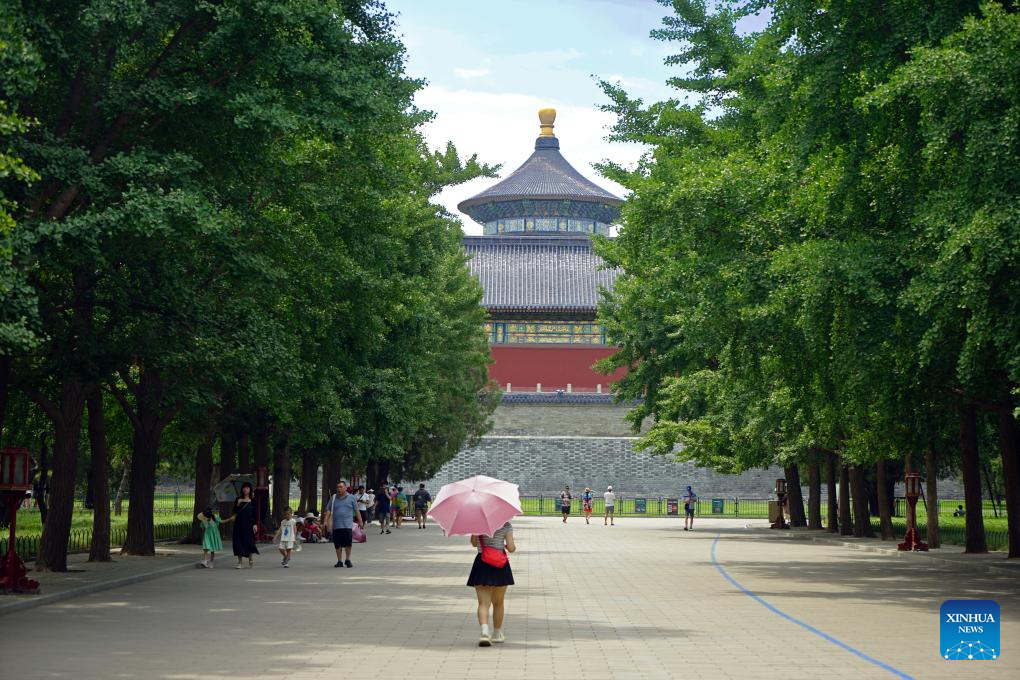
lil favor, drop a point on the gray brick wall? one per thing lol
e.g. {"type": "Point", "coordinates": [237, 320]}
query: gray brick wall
{"type": "Point", "coordinates": [542, 447]}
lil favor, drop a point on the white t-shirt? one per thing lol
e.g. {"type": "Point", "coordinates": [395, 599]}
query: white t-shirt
{"type": "Point", "coordinates": [610, 498]}
{"type": "Point", "coordinates": [369, 500]}
{"type": "Point", "coordinates": [288, 531]}
{"type": "Point", "coordinates": [362, 500]}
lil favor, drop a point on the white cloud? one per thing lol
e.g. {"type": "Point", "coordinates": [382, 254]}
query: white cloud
{"type": "Point", "coordinates": [502, 127]}
{"type": "Point", "coordinates": [471, 72]}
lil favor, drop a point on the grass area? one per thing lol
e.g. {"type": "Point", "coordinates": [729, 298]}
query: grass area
{"type": "Point", "coordinates": [29, 523]}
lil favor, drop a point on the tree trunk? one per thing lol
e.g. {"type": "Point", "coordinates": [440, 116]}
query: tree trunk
{"type": "Point", "coordinates": [846, 527]}
{"type": "Point", "coordinates": [378, 472]}
{"type": "Point", "coordinates": [148, 420]}
{"type": "Point", "coordinates": [932, 492]}
{"type": "Point", "coordinates": [203, 484]}
{"type": "Point", "coordinates": [244, 454]}
{"type": "Point", "coordinates": [832, 511]}
{"type": "Point", "coordinates": [330, 476]}
{"type": "Point", "coordinates": [859, 491]}
{"type": "Point", "coordinates": [281, 477]}
{"type": "Point", "coordinates": [971, 473]}
{"type": "Point", "coordinates": [228, 453]}
{"type": "Point", "coordinates": [884, 505]}
{"type": "Point", "coordinates": [140, 530]}
{"type": "Point", "coordinates": [100, 549]}
{"type": "Point", "coordinates": [261, 448]}
{"type": "Point", "coordinates": [66, 418]}
{"type": "Point", "coordinates": [5, 390]}
{"type": "Point", "coordinates": [309, 482]}
{"type": "Point", "coordinates": [795, 496]}
{"type": "Point", "coordinates": [118, 503]}
{"type": "Point", "coordinates": [41, 490]}
{"type": "Point", "coordinates": [1009, 449]}
{"type": "Point", "coordinates": [814, 493]}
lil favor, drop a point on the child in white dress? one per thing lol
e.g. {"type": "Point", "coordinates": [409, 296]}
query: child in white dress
{"type": "Point", "coordinates": [286, 535]}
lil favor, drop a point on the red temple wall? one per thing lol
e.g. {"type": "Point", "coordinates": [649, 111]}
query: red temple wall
{"type": "Point", "coordinates": [554, 367]}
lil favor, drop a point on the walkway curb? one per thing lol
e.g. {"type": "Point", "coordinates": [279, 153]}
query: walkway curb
{"type": "Point", "coordinates": [866, 547]}
{"type": "Point", "coordinates": [49, 598]}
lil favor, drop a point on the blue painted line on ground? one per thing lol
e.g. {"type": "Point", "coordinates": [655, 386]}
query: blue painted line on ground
{"type": "Point", "coordinates": [811, 629]}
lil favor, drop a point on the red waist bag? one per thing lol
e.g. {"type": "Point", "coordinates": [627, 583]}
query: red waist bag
{"type": "Point", "coordinates": [493, 557]}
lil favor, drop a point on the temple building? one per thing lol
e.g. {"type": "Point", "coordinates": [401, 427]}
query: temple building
{"type": "Point", "coordinates": [557, 424]}
{"type": "Point", "coordinates": [540, 274]}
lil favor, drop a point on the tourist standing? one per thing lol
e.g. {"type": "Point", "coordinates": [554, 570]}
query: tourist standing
{"type": "Point", "coordinates": [382, 509]}
{"type": "Point", "coordinates": [369, 506]}
{"type": "Point", "coordinates": [422, 498]}
{"type": "Point", "coordinates": [211, 543]}
{"type": "Point", "coordinates": [610, 497]}
{"type": "Point", "coordinates": [490, 582]}
{"type": "Point", "coordinates": [565, 500]}
{"type": "Point", "coordinates": [690, 501]}
{"type": "Point", "coordinates": [341, 515]}
{"type": "Point", "coordinates": [243, 534]}
{"type": "Point", "coordinates": [399, 506]}
{"type": "Point", "coordinates": [362, 501]}
{"type": "Point", "coordinates": [286, 534]}
{"type": "Point", "coordinates": [586, 501]}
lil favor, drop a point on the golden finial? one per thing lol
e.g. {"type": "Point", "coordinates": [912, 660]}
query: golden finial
{"type": "Point", "coordinates": [546, 117]}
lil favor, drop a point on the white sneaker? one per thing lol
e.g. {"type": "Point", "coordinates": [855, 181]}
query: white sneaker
{"type": "Point", "coordinates": [497, 636]}
{"type": "Point", "coordinates": [485, 640]}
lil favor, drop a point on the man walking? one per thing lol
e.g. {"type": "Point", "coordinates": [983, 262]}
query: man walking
{"type": "Point", "coordinates": [690, 501]}
{"type": "Point", "coordinates": [422, 498]}
{"type": "Point", "coordinates": [610, 506]}
{"type": "Point", "coordinates": [565, 499]}
{"type": "Point", "coordinates": [341, 514]}
{"type": "Point", "coordinates": [382, 509]}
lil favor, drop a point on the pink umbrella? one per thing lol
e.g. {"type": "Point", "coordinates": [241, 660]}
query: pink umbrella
{"type": "Point", "coordinates": [476, 505]}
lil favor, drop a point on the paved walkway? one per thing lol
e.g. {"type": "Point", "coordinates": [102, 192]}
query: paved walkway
{"type": "Point", "coordinates": [643, 600]}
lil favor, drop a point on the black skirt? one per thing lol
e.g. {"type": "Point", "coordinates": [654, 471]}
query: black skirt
{"type": "Point", "coordinates": [483, 574]}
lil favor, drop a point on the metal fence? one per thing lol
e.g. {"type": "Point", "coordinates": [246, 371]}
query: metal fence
{"type": "Point", "coordinates": [652, 506]}
{"type": "Point", "coordinates": [949, 507]}
{"type": "Point", "coordinates": [80, 540]}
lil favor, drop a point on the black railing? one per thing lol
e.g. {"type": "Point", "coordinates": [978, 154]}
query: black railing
{"type": "Point", "coordinates": [80, 540]}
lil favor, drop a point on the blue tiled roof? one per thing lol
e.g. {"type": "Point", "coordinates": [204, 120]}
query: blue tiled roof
{"type": "Point", "coordinates": [556, 273]}
{"type": "Point", "coordinates": [545, 175]}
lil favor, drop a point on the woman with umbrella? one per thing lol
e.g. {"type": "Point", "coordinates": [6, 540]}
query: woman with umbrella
{"type": "Point", "coordinates": [490, 582]}
{"type": "Point", "coordinates": [481, 507]}
{"type": "Point", "coordinates": [243, 536]}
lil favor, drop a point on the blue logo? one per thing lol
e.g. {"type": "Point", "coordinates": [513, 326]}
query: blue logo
{"type": "Point", "coordinates": [969, 630]}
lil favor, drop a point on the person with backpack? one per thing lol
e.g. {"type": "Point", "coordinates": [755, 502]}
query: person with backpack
{"type": "Point", "coordinates": [422, 498]}
{"type": "Point", "coordinates": [690, 502]}
{"type": "Point", "coordinates": [341, 515]}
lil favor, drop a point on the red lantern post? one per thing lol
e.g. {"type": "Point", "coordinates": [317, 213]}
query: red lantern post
{"type": "Point", "coordinates": [780, 522]}
{"type": "Point", "coordinates": [15, 464]}
{"type": "Point", "coordinates": [912, 490]}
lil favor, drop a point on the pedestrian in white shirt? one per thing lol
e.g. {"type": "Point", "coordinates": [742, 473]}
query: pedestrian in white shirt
{"type": "Point", "coordinates": [610, 506]}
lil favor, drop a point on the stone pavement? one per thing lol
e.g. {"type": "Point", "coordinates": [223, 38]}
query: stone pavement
{"type": "Point", "coordinates": [643, 600]}
{"type": "Point", "coordinates": [83, 577]}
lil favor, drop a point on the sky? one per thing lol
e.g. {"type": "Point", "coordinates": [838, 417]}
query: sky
{"type": "Point", "coordinates": [491, 64]}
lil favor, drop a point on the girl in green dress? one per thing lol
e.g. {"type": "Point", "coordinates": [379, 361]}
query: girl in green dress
{"type": "Point", "coordinates": [210, 536]}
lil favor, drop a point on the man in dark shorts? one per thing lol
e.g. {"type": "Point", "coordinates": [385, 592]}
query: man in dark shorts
{"type": "Point", "coordinates": [341, 514]}
{"type": "Point", "coordinates": [690, 502]}
{"type": "Point", "coordinates": [422, 498]}
{"type": "Point", "coordinates": [565, 499]}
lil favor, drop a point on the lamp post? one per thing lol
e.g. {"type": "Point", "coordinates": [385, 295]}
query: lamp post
{"type": "Point", "coordinates": [14, 482]}
{"type": "Point", "coordinates": [912, 490]}
{"type": "Point", "coordinates": [780, 522]}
